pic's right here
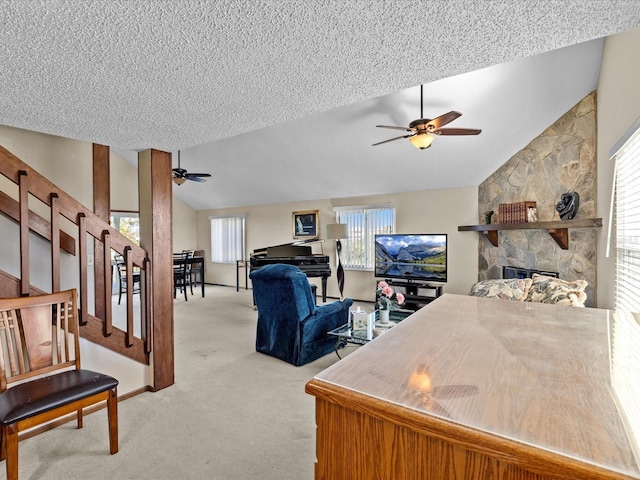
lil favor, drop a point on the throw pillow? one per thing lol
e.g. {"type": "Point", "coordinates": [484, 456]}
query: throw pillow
{"type": "Point", "coordinates": [546, 289]}
{"type": "Point", "coordinates": [506, 289]}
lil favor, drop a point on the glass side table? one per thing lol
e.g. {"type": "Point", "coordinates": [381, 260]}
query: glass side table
{"type": "Point", "coordinates": [346, 335]}
{"type": "Point", "coordinates": [397, 315]}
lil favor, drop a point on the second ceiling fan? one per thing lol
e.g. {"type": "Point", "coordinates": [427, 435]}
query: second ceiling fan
{"type": "Point", "coordinates": [180, 175]}
{"type": "Point", "coordinates": [424, 130]}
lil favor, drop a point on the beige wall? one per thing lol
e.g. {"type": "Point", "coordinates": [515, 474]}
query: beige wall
{"type": "Point", "coordinates": [124, 197]}
{"type": "Point", "coordinates": [124, 184]}
{"type": "Point", "coordinates": [433, 211]}
{"type": "Point", "coordinates": [618, 108]}
{"type": "Point", "coordinates": [61, 160]}
{"type": "Point", "coordinates": [184, 226]}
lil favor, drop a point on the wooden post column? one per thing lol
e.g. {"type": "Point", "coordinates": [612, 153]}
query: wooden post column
{"type": "Point", "coordinates": [102, 208]}
{"type": "Point", "coordinates": [156, 237]}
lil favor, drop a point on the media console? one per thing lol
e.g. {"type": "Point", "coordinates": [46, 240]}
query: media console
{"type": "Point", "coordinates": [417, 294]}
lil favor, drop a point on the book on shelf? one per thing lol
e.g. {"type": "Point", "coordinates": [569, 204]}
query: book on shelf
{"type": "Point", "coordinates": [517, 212]}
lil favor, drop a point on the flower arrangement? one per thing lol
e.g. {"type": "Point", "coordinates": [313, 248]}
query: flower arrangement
{"type": "Point", "coordinates": [386, 298]}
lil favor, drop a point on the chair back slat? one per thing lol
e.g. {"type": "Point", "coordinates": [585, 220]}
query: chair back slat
{"type": "Point", "coordinates": [57, 329]}
{"type": "Point", "coordinates": [38, 332]}
{"type": "Point", "coordinates": [38, 335]}
{"type": "Point", "coordinates": [10, 333]}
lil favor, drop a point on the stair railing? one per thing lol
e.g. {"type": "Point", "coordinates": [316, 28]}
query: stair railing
{"type": "Point", "coordinates": [89, 227]}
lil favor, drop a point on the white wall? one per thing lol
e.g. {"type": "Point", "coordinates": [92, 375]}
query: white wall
{"type": "Point", "coordinates": [432, 211]}
{"type": "Point", "coordinates": [618, 108]}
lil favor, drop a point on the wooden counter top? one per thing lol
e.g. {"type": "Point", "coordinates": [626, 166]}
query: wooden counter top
{"type": "Point", "coordinates": [540, 386]}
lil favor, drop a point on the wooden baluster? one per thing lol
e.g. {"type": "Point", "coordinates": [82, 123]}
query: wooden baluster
{"type": "Point", "coordinates": [82, 244]}
{"type": "Point", "coordinates": [108, 274]}
{"type": "Point", "coordinates": [25, 281]}
{"type": "Point", "coordinates": [128, 260]}
{"type": "Point", "coordinates": [55, 243]}
{"type": "Point", "coordinates": [148, 306]}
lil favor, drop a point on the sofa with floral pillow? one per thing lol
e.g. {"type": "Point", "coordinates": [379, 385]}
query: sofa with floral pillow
{"type": "Point", "coordinates": [538, 288]}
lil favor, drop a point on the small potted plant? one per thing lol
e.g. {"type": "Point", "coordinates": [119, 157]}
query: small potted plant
{"type": "Point", "coordinates": [387, 299]}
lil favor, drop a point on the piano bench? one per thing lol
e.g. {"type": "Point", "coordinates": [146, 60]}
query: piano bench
{"type": "Point", "coordinates": [314, 291]}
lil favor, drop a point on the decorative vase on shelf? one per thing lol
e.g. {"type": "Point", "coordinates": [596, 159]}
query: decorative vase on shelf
{"type": "Point", "coordinates": [383, 317]}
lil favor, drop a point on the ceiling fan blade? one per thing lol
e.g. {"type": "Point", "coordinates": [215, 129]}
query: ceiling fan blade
{"type": "Point", "coordinates": [457, 131]}
{"type": "Point", "coordinates": [195, 179]}
{"type": "Point", "coordinates": [392, 139]}
{"type": "Point", "coordinates": [406, 129]}
{"type": "Point", "coordinates": [444, 119]}
{"type": "Point", "coordinates": [198, 174]}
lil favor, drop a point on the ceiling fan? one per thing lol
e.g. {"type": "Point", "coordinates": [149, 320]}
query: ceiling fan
{"type": "Point", "coordinates": [424, 130]}
{"type": "Point", "coordinates": [180, 175]}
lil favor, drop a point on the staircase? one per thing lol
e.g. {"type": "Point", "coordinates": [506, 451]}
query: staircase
{"type": "Point", "coordinates": [84, 236]}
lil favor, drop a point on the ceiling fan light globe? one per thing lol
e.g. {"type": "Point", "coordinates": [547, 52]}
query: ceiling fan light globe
{"type": "Point", "coordinates": [422, 140]}
{"type": "Point", "coordinates": [179, 180]}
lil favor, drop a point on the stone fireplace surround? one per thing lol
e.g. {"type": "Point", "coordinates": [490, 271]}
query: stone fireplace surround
{"type": "Point", "coordinates": [560, 160]}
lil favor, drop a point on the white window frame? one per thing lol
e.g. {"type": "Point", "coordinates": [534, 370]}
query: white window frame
{"type": "Point", "coordinates": [363, 223]}
{"type": "Point", "coordinates": [627, 220]}
{"type": "Point", "coordinates": [227, 238]}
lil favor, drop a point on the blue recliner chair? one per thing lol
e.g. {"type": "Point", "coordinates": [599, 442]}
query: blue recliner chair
{"type": "Point", "coordinates": [290, 326]}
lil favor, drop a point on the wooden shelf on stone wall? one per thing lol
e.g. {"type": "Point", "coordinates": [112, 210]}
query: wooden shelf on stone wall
{"type": "Point", "coordinates": [558, 229]}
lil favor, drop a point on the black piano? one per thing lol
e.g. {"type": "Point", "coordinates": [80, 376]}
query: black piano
{"type": "Point", "coordinates": [294, 254]}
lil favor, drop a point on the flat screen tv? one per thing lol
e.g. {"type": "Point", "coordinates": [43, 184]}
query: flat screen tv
{"type": "Point", "coordinates": [412, 256]}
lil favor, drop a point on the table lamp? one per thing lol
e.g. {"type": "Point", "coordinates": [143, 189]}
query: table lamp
{"type": "Point", "coordinates": [336, 231]}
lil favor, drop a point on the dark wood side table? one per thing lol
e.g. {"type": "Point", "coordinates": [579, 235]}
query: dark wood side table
{"type": "Point", "coordinates": [242, 264]}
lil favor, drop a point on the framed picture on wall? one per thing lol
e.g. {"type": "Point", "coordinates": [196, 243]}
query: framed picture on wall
{"type": "Point", "coordinates": [305, 224]}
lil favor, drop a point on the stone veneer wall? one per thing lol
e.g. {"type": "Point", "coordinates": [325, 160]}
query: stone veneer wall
{"type": "Point", "coordinates": [561, 159]}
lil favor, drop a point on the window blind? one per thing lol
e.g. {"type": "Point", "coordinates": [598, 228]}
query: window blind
{"type": "Point", "coordinates": [227, 239]}
{"type": "Point", "coordinates": [627, 225]}
{"type": "Point", "coordinates": [362, 225]}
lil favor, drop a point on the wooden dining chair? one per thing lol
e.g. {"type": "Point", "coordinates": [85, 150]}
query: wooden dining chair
{"type": "Point", "coordinates": [40, 374]}
{"type": "Point", "coordinates": [182, 273]}
{"type": "Point", "coordinates": [196, 276]}
{"type": "Point", "coordinates": [190, 254]}
{"type": "Point", "coordinates": [121, 266]}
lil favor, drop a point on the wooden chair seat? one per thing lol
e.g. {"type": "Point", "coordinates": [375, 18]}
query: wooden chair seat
{"type": "Point", "coordinates": [49, 393]}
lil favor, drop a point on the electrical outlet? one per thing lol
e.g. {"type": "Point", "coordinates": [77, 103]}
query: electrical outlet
{"type": "Point", "coordinates": [89, 259]}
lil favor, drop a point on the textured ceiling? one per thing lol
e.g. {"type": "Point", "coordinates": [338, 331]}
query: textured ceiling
{"type": "Point", "coordinates": [197, 75]}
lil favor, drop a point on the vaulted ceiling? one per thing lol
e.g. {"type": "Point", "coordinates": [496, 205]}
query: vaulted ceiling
{"type": "Point", "coordinates": [278, 100]}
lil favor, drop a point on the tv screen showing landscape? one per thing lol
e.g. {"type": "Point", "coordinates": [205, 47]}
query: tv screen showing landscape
{"type": "Point", "coordinates": [412, 256]}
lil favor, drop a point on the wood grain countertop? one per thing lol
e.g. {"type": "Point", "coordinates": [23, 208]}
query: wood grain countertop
{"type": "Point", "coordinates": [559, 381]}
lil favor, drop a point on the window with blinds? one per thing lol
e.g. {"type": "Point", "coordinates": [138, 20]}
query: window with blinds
{"type": "Point", "coordinates": [627, 225]}
{"type": "Point", "coordinates": [227, 239]}
{"type": "Point", "coordinates": [363, 224]}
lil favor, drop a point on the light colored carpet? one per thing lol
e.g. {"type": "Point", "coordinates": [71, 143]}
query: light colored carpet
{"type": "Point", "coordinates": [233, 413]}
